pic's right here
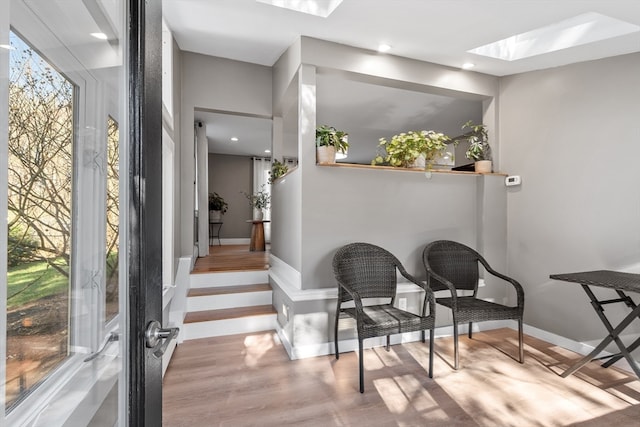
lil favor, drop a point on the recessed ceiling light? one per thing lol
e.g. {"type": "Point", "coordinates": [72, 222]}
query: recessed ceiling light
{"type": "Point", "coordinates": [101, 36]}
{"type": "Point", "coordinates": [234, 138]}
{"type": "Point", "coordinates": [267, 151]}
{"type": "Point", "coordinates": [383, 47]}
{"type": "Point", "coordinates": [468, 65]}
{"type": "Point", "coordinates": [582, 29]}
{"type": "Point", "coordinates": [322, 8]}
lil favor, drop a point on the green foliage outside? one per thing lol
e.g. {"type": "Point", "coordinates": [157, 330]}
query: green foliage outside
{"type": "Point", "coordinates": [31, 281]}
{"type": "Point", "coordinates": [21, 247]}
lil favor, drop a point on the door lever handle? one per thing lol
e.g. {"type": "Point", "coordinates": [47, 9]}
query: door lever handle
{"type": "Point", "coordinates": [158, 338]}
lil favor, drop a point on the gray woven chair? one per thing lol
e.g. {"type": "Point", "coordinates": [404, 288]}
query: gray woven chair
{"type": "Point", "coordinates": [367, 271]}
{"type": "Point", "coordinates": [453, 266]}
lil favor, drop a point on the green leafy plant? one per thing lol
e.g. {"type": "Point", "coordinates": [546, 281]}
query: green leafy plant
{"type": "Point", "coordinates": [217, 203]}
{"type": "Point", "coordinates": [22, 247]}
{"type": "Point", "coordinates": [403, 149]}
{"type": "Point", "coordinates": [329, 136]}
{"type": "Point", "coordinates": [477, 135]}
{"type": "Point", "coordinates": [277, 170]}
{"type": "Point", "coordinates": [259, 200]}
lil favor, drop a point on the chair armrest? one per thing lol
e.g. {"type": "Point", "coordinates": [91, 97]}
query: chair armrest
{"type": "Point", "coordinates": [454, 295]}
{"type": "Point", "coordinates": [357, 300]}
{"type": "Point", "coordinates": [428, 292]}
{"type": "Point", "coordinates": [517, 286]}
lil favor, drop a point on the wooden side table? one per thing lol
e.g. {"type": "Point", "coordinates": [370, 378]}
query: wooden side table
{"type": "Point", "coordinates": [257, 235]}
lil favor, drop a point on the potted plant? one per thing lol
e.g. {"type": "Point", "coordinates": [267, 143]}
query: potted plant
{"type": "Point", "coordinates": [479, 150]}
{"type": "Point", "coordinates": [405, 149]}
{"type": "Point", "coordinates": [259, 201]}
{"type": "Point", "coordinates": [217, 207]}
{"type": "Point", "coordinates": [277, 170]}
{"type": "Point", "coordinates": [330, 141]}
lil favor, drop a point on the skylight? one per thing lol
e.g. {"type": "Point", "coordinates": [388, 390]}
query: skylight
{"type": "Point", "coordinates": [582, 29]}
{"type": "Point", "coordinates": [322, 8]}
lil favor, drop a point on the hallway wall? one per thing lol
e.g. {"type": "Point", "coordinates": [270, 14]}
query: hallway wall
{"type": "Point", "coordinates": [229, 176]}
{"type": "Point", "coordinates": [219, 85]}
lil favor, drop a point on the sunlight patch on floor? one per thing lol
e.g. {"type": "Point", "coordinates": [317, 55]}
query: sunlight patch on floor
{"type": "Point", "coordinates": [405, 393]}
{"type": "Point", "coordinates": [256, 346]}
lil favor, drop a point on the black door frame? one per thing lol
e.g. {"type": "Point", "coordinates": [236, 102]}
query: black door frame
{"type": "Point", "coordinates": [145, 207]}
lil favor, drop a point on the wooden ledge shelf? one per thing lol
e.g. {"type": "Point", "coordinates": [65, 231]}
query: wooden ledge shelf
{"type": "Point", "coordinates": [391, 168]}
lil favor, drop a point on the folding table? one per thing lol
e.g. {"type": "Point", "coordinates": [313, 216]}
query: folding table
{"type": "Point", "coordinates": [619, 282]}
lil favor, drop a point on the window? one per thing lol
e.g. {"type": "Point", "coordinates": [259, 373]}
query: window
{"type": "Point", "coordinates": [40, 180]}
{"type": "Point", "coordinates": [112, 219]}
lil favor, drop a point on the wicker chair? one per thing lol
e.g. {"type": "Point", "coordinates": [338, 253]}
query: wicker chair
{"type": "Point", "coordinates": [453, 266]}
{"type": "Point", "coordinates": [368, 271]}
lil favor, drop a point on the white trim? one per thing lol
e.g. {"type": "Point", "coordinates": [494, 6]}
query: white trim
{"type": "Point", "coordinates": [575, 346]}
{"type": "Point", "coordinates": [236, 241]}
{"type": "Point", "coordinates": [228, 278]}
{"type": "Point", "coordinates": [75, 398]}
{"type": "Point", "coordinates": [286, 276]}
{"type": "Point", "coordinates": [178, 303]}
{"type": "Point", "coordinates": [288, 279]}
{"type": "Point", "coordinates": [345, 346]}
{"type": "Point", "coordinates": [326, 348]}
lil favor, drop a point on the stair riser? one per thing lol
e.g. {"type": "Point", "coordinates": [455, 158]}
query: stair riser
{"type": "Point", "coordinates": [216, 328]}
{"type": "Point", "coordinates": [229, 279]}
{"type": "Point", "coordinates": [216, 302]}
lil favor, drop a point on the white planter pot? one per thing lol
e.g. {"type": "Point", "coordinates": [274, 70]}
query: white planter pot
{"type": "Point", "coordinates": [326, 155]}
{"type": "Point", "coordinates": [483, 166]}
{"type": "Point", "coordinates": [258, 214]}
{"type": "Point", "coordinates": [419, 162]}
{"type": "Point", "coordinates": [215, 216]}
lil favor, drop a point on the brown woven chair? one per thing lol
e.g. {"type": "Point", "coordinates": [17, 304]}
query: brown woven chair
{"type": "Point", "coordinates": [367, 271]}
{"type": "Point", "coordinates": [453, 266]}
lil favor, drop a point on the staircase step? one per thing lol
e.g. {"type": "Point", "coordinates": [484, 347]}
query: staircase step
{"type": "Point", "coordinates": [225, 290]}
{"type": "Point", "coordinates": [230, 321]}
{"type": "Point", "coordinates": [228, 313]}
{"type": "Point", "coordinates": [224, 279]}
{"type": "Point", "coordinates": [223, 297]}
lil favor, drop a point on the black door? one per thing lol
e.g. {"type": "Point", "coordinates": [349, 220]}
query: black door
{"type": "Point", "coordinates": [145, 221]}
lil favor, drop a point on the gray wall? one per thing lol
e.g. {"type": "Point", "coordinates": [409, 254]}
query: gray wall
{"type": "Point", "coordinates": [573, 134]}
{"type": "Point", "coordinates": [229, 176]}
{"type": "Point", "coordinates": [218, 84]}
{"type": "Point", "coordinates": [286, 219]}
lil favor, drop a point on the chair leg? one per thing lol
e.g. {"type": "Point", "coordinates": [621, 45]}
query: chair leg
{"type": "Point", "coordinates": [431, 338]}
{"type": "Point", "coordinates": [521, 340]}
{"type": "Point", "coordinates": [335, 334]}
{"type": "Point", "coordinates": [423, 335]}
{"type": "Point", "coordinates": [455, 345]}
{"type": "Point", "coordinates": [388, 342]}
{"type": "Point", "coordinates": [470, 330]}
{"type": "Point", "coordinates": [361, 363]}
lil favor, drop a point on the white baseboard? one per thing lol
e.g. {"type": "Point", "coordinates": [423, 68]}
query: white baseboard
{"type": "Point", "coordinates": [238, 241]}
{"type": "Point", "coordinates": [345, 346]}
{"type": "Point", "coordinates": [324, 349]}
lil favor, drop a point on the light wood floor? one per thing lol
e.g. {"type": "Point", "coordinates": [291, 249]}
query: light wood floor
{"type": "Point", "coordinates": [248, 380]}
{"type": "Point", "coordinates": [232, 258]}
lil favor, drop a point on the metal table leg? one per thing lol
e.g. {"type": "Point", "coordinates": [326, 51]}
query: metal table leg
{"type": "Point", "coordinates": [613, 335]}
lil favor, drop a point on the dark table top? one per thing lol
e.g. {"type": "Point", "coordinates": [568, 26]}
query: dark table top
{"type": "Point", "coordinates": [603, 278]}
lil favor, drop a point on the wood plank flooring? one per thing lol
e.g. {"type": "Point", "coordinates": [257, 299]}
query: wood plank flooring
{"type": "Point", "coordinates": [248, 380]}
{"type": "Point", "coordinates": [232, 258]}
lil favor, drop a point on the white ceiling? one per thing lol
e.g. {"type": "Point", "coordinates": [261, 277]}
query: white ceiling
{"type": "Point", "coordinates": [438, 31]}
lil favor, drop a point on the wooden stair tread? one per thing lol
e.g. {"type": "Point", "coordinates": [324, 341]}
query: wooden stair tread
{"type": "Point", "coordinates": [229, 313]}
{"type": "Point", "coordinates": [225, 290]}
{"type": "Point", "coordinates": [232, 258]}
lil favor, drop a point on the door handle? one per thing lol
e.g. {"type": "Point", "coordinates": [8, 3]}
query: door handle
{"type": "Point", "coordinates": [155, 334]}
